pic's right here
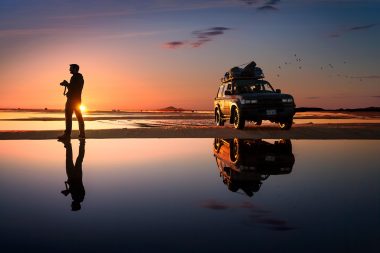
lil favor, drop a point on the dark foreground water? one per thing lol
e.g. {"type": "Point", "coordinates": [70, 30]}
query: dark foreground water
{"type": "Point", "coordinates": [190, 195]}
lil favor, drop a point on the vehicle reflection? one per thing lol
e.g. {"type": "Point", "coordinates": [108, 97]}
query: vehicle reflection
{"type": "Point", "coordinates": [245, 163]}
{"type": "Point", "coordinates": [74, 183]}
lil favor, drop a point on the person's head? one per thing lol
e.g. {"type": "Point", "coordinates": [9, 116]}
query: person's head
{"type": "Point", "coordinates": [74, 68]}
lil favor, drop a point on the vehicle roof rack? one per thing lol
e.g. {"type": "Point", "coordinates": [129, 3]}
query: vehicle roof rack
{"type": "Point", "coordinates": [225, 80]}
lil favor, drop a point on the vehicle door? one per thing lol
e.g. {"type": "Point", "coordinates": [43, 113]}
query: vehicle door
{"type": "Point", "coordinates": [227, 99]}
{"type": "Point", "coordinates": [220, 98]}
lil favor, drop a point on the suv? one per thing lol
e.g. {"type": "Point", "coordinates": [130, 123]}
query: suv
{"type": "Point", "coordinates": [241, 99]}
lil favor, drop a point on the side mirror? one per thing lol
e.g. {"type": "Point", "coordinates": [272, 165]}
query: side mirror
{"type": "Point", "coordinates": [227, 92]}
{"type": "Point", "coordinates": [278, 91]}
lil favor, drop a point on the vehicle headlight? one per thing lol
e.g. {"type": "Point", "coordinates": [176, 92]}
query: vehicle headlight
{"type": "Point", "coordinates": [287, 100]}
{"type": "Point", "coordinates": [254, 101]}
{"type": "Point", "coordinates": [243, 101]}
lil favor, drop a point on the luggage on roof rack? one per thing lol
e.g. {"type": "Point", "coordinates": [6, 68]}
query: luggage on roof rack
{"type": "Point", "coordinates": [251, 71]}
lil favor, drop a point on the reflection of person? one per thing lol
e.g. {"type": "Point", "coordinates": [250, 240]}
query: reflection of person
{"type": "Point", "coordinates": [74, 183]}
{"type": "Point", "coordinates": [73, 102]}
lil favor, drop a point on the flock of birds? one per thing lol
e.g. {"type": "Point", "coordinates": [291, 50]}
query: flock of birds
{"type": "Point", "coordinates": [329, 66]}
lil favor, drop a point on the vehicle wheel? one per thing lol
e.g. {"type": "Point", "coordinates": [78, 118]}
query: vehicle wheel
{"type": "Point", "coordinates": [238, 119]}
{"type": "Point", "coordinates": [286, 125]}
{"type": "Point", "coordinates": [217, 144]}
{"type": "Point", "coordinates": [234, 150]}
{"type": "Point", "coordinates": [258, 122]}
{"type": "Point", "coordinates": [218, 118]}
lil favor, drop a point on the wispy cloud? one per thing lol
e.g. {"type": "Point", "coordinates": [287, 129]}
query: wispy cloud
{"type": "Point", "coordinates": [174, 44]}
{"type": "Point", "coordinates": [269, 6]}
{"type": "Point", "coordinates": [363, 27]}
{"type": "Point", "coordinates": [341, 32]}
{"type": "Point", "coordinates": [28, 31]}
{"type": "Point", "coordinates": [92, 15]}
{"type": "Point", "coordinates": [207, 35]}
{"type": "Point", "coordinates": [250, 2]}
{"type": "Point", "coordinates": [366, 77]}
{"type": "Point", "coordinates": [201, 37]}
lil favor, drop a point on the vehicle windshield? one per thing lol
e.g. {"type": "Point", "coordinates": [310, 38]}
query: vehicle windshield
{"type": "Point", "coordinates": [253, 86]}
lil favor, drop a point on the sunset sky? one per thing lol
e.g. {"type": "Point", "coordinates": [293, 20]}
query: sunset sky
{"type": "Point", "coordinates": [157, 53]}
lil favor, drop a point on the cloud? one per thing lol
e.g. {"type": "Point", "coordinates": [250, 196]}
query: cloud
{"type": "Point", "coordinates": [366, 77]}
{"type": "Point", "coordinates": [250, 2]}
{"type": "Point", "coordinates": [363, 27]}
{"type": "Point", "coordinates": [28, 32]}
{"type": "Point", "coordinates": [174, 44]}
{"type": "Point", "coordinates": [376, 96]}
{"type": "Point", "coordinates": [313, 97]}
{"type": "Point", "coordinates": [267, 8]}
{"type": "Point", "coordinates": [351, 29]}
{"type": "Point", "coordinates": [207, 35]}
{"type": "Point", "coordinates": [269, 5]}
{"type": "Point", "coordinates": [201, 37]}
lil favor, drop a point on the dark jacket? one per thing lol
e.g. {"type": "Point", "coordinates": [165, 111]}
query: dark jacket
{"type": "Point", "coordinates": [75, 87]}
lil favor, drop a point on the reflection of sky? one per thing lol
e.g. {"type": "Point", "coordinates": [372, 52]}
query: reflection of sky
{"type": "Point", "coordinates": [162, 194]}
{"type": "Point", "coordinates": [122, 48]}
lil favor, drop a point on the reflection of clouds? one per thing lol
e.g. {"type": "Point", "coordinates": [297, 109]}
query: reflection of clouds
{"type": "Point", "coordinates": [256, 215]}
{"type": "Point", "coordinates": [214, 205]}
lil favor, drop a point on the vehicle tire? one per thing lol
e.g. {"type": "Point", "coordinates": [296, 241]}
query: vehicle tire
{"type": "Point", "coordinates": [234, 150]}
{"type": "Point", "coordinates": [237, 119]}
{"type": "Point", "coordinates": [286, 125]}
{"type": "Point", "coordinates": [258, 122]}
{"type": "Point", "coordinates": [218, 118]}
{"type": "Point", "coordinates": [217, 144]}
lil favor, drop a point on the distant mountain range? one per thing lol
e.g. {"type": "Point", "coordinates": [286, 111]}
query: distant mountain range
{"type": "Point", "coordinates": [172, 109]}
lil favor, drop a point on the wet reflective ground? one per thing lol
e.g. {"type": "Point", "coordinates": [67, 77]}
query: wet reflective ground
{"type": "Point", "coordinates": [190, 195]}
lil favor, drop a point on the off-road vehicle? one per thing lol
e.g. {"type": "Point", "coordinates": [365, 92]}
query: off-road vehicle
{"type": "Point", "coordinates": [243, 99]}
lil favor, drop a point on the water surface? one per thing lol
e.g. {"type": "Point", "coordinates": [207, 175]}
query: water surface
{"type": "Point", "coordinates": [190, 195]}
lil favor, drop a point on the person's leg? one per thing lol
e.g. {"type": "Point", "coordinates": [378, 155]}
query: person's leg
{"type": "Point", "coordinates": [68, 117]}
{"type": "Point", "coordinates": [79, 116]}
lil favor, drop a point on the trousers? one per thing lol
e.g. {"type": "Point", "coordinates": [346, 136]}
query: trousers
{"type": "Point", "coordinates": [70, 107]}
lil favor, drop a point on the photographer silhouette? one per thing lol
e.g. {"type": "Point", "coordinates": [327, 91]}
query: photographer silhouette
{"type": "Point", "coordinates": [74, 98]}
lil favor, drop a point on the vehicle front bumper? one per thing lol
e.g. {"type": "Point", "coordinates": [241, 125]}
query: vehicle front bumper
{"type": "Point", "coordinates": [253, 112]}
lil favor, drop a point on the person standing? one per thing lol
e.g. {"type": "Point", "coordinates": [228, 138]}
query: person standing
{"type": "Point", "coordinates": [74, 97]}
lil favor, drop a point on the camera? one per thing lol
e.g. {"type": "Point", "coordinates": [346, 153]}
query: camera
{"type": "Point", "coordinates": [63, 83]}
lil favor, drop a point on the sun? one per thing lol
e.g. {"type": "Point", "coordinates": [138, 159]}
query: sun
{"type": "Point", "coordinates": [83, 108]}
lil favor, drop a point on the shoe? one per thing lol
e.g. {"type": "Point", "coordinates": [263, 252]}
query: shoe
{"type": "Point", "coordinates": [64, 137]}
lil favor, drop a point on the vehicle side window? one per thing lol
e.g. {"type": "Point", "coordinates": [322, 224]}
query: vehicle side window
{"type": "Point", "coordinates": [221, 91]}
{"type": "Point", "coordinates": [218, 93]}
